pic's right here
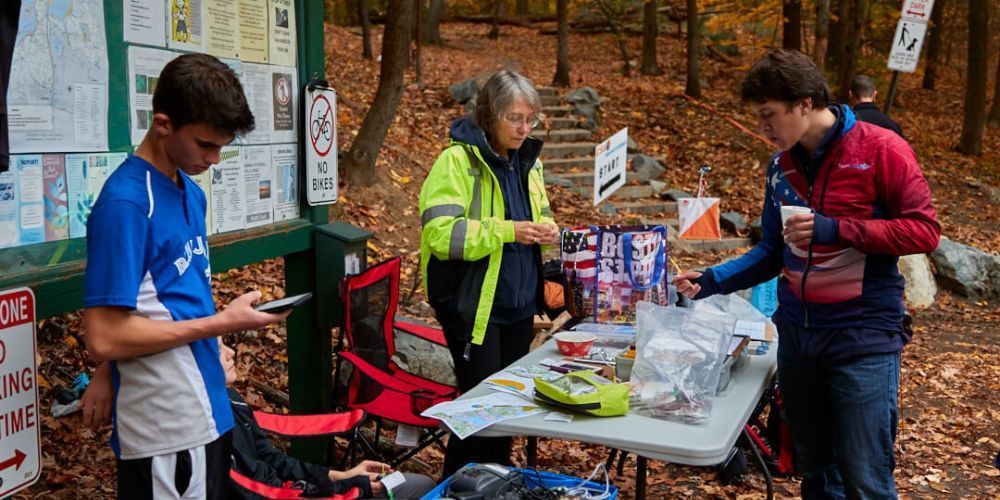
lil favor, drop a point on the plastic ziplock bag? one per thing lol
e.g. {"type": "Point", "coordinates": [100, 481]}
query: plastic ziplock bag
{"type": "Point", "coordinates": [679, 355]}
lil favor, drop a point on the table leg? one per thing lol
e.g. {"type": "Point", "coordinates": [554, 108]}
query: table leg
{"type": "Point", "coordinates": [640, 477]}
{"type": "Point", "coordinates": [532, 452]}
{"type": "Point", "coordinates": [763, 465]}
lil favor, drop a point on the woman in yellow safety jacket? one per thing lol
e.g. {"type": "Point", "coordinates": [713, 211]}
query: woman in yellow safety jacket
{"type": "Point", "coordinates": [485, 214]}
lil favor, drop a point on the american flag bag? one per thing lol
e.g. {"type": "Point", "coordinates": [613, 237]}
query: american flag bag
{"type": "Point", "coordinates": [609, 269]}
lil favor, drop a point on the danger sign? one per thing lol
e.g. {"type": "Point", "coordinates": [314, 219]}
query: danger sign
{"type": "Point", "coordinates": [321, 150]}
{"type": "Point", "coordinates": [19, 429]}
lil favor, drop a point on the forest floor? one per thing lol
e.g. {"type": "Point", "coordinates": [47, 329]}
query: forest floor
{"type": "Point", "coordinates": [950, 380]}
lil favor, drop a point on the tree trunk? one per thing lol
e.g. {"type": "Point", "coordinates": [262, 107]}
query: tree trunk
{"type": "Point", "coordinates": [971, 142]}
{"type": "Point", "coordinates": [359, 163]}
{"type": "Point", "coordinates": [822, 32]}
{"type": "Point", "coordinates": [791, 34]}
{"type": "Point", "coordinates": [366, 30]}
{"type": "Point", "coordinates": [432, 24]}
{"type": "Point", "coordinates": [934, 44]}
{"type": "Point", "coordinates": [649, 32]}
{"type": "Point", "coordinates": [418, 10]}
{"type": "Point", "coordinates": [837, 50]}
{"type": "Point", "coordinates": [561, 78]}
{"type": "Point", "coordinates": [848, 65]}
{"type": "Point", "coordinates": [693, 87]}
{"type": "Point", "coordinates": [993, 120]}
{"type": "Point", "coordinates": [521, 8]}
{"type": "Point", "coordinates": [497, 12]}
{"type": "Point", "coordinates": [615, 17]}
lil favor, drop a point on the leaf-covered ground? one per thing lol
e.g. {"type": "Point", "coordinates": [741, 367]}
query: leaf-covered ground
{"type": "Point", "coordinates": [950, 384]}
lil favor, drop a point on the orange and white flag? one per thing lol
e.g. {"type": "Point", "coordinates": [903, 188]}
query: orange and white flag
{"type": "Point", "coordinates": [699, 218]}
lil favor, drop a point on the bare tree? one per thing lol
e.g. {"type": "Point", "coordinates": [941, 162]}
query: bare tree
{"type": "Point", "coordinates": [993, 120]}
{"type": "Point", "coordinates": [497, 11]}
{"type": "Point", "coordinates": [521, 8]}
{"type": "Point", "coordinates": [822, 32]}
{"type": "Point", "coordinates": [791, 34]}
{"type": "Point", "coordinates": [849, 64]}
{"type": "Point", "coordinates": [971, 142]}
{"type": "Point", "coordinates": [837, 49]}
{"type": "Point", "coordinates": [693, 87]}
{"type": "Point", "coordinates": [359, 163]}
{"type": "Point", "coordinates": [614, 11]}
{"type": "Point", "coordinates": [366, 30]}
{"type": "Point", "coordinates": [561, 78]}
{"type": "Point", "coordinates": [934, 44]}
{"type": "Point", "coordinates": [432, 23]}
{"type": "Point", "coordinates": [650, 30]}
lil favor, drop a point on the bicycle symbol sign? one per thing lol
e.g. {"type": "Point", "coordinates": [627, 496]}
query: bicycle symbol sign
{"type": "Point", "coordinates": [321, 125]}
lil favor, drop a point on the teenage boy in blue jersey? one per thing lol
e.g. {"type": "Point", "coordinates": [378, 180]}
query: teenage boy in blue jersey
{"type": "Point", "coordinates": [149, 312]}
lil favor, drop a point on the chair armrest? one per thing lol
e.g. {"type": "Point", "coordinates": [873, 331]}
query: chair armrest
{"type": "Point", "coordinates": [309, 425]}
{"type": "Point", "coordinates": [276, 492]}
{"type": "Point", "coordinates": [425, 332]}
{"type": "Point", "coordinates": [383, 378]}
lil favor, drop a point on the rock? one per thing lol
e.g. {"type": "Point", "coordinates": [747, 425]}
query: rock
{"type": "Point", "coordinates": [658, 186]}
{"type": "Point", "coordinates": [756, 233]}
{"type": "Point", "coordinates": [632, 145]}
{"type": "Point", "coordinates": [420, 309]}
{"type": "Point", "coordinates": [424, 358]}
{"type": "Point", "coordinates": [675, 194]}
{"type": "Point", "coordinates": [465, 90]}
{"type": "Point", "coordinates": [920, 286]}
{"type": "Point", "coordinates": [733, 221]}
{"type": "Point", "coordinates": [586, 102]}
{"type": "Point", "coordinates": [609, 209]}
{"type": "Point", "coordinates": [968, 271]}
{"type": "Point", "coordinates": [552, 180]}
{"type": "Point", "coordinates": [646, 167]}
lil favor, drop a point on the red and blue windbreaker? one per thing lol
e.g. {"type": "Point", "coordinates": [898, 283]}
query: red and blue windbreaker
{"type": "Point", "coordinates": [872, 204]}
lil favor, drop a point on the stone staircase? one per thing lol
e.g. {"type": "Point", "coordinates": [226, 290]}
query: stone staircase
{"type": "Point", "coordinates": [568, 156]}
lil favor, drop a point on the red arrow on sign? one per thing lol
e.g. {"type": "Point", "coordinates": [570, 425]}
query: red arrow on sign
{"type": "Point", "coordinates": [14, 461]}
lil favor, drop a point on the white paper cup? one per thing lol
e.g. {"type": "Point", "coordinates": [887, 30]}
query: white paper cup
{"type": "Point", "coordinates": [790, 210]}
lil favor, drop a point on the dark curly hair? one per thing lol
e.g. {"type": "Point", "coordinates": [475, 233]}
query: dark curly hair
{"type": "Point", "coordinates": [788, 76]}
{"type": "Point", "coordinates": [199, 88]}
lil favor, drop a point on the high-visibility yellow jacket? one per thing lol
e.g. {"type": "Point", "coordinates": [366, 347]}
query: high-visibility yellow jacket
{"type": "Point", "coordinates": [461, 245]}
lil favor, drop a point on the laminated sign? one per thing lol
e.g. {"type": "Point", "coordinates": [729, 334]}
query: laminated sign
{"type": "Point", "coordinates": [699, 218]}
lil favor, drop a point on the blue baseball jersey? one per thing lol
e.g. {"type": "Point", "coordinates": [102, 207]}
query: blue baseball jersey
{"type": "Point", "coordinates": [147, 251]}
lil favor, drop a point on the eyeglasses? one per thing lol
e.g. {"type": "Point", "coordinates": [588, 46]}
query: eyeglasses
{"type": "Point", "coordinates": [517, 120]}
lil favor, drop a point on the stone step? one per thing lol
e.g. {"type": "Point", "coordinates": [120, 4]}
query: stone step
{"type": "Point", "coordinates": [578, 179]}
{"type": "Point", "coordinates": [544, 91]}
{"type": "Point", "coordinates": [726, 243]}
{"type": "Point", "coordinates": [670, 223]}
{"type": "Point", "coordinates": [580, 162]}
{"type": "Point", "coordinates": [563, 135]}
{"type": "Point", "coordinates": [639, 207]}
{"type": "Point", "coordinates": [623, 193]}
{"type": "Point", "coordinates": [551, 100]}
{"type": "Point", "coordinates": [555, 111]}
{"type": "Point", "coordinates": [562, 122]}
{"type": "Point", "coordinates": [566, 150]}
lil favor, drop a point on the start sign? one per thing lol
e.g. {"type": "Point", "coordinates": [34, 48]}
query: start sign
{"type": "Point", "coordinates": [19, 426]}
{"type": "Point", "coordinates": [321, 146]}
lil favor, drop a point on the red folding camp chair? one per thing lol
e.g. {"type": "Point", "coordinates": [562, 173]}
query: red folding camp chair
{"type": "Point", "coordinates": [377, 384]}
{"type": "Point", "coordinates": [341, 423]}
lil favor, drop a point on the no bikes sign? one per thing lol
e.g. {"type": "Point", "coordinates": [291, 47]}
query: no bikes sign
{"type": "Point", "coordinates": [321, 148]}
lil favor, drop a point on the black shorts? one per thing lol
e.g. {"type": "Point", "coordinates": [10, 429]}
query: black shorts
{"type": "Point", "coordinates": [197, 473]}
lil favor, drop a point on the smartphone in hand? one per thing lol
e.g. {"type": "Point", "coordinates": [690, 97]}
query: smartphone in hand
{"type": "Point", "coordinates": [282, 305]}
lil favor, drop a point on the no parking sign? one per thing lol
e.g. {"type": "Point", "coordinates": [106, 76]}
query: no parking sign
{"type": "Point", "coordinates": [19, 429]}
{"type": "Point", "coordinates": [321, 145]}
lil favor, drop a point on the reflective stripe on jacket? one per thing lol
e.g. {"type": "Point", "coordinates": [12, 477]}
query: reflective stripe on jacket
{"type": "Point", "coordinates": [462, 213]}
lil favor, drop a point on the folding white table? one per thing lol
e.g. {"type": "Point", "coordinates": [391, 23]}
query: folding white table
{"type": "Point", "coordinates": [705, 444]}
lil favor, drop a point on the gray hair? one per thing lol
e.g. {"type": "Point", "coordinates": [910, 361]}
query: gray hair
{"type": "Point", "coordinates": [862, 86]}
{"type": "Point", "coordinates": [498, 96]}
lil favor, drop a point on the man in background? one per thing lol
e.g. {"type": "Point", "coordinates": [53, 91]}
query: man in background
{"type": "Point", "coordinates": [862, 95]}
